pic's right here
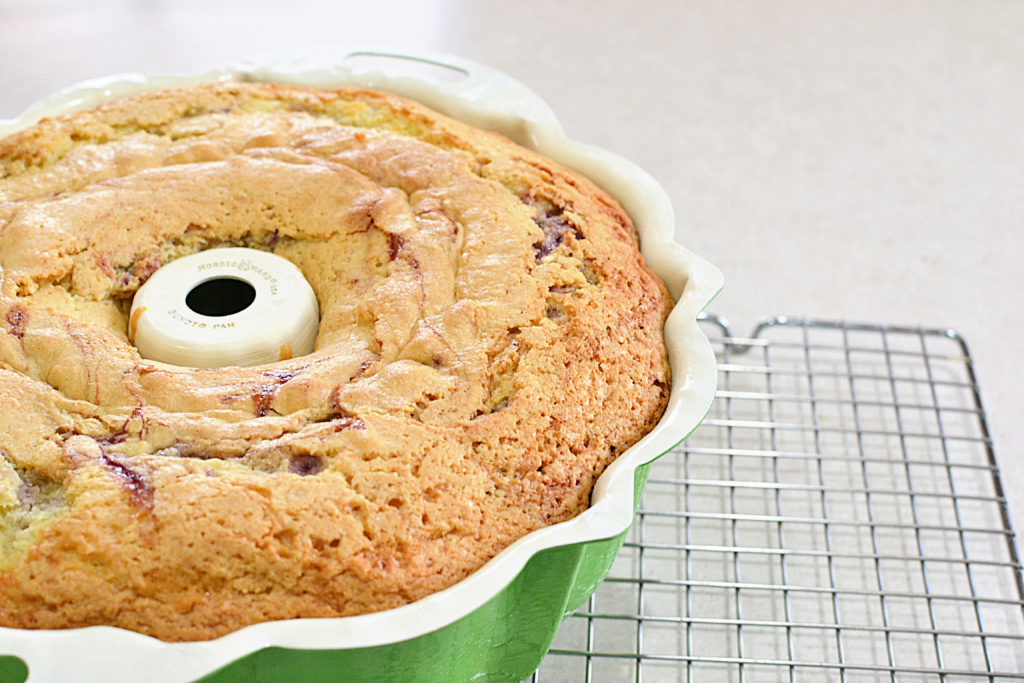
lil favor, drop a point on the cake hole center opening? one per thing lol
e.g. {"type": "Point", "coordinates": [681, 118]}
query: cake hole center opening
{"type": "Point", "coordinates": [220, 296]}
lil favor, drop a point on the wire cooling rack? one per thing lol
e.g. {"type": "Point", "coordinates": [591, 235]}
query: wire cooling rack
{"type": "Point", "coordinates": [838, 517]}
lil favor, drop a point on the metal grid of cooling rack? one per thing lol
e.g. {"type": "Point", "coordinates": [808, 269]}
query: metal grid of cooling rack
{"type": "Point", "coordinates": [839, 516]}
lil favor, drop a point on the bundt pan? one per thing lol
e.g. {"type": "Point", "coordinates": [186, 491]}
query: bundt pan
{"type": "Point", "coordinates": [498, 623]}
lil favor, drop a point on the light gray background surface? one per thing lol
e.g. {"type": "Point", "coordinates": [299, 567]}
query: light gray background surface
{"type": "Point", "coordinates": [860, 160]}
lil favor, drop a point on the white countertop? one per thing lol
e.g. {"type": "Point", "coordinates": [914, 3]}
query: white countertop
{"type": "Point", "coordinates": [858, 160]}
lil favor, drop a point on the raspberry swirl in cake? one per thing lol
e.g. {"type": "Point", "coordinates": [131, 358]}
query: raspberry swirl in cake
{"type": "Point", "coordinates": [490, 339]}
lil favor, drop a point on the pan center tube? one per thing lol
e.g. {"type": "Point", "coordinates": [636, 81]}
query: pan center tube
{"type": "Point", "coordinates": [225, 307]}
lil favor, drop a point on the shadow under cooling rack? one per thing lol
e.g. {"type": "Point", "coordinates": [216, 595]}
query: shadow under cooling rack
{"type": "Point", "coordinates": [838, 516]}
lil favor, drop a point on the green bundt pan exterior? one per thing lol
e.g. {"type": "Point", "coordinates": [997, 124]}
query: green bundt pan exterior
{"type": "Point", "coordinates": [12, 670]}
{"type": "Point", "coordinates": [503, 640]}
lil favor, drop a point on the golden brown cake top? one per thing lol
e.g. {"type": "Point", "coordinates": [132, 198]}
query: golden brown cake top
{"type": "Point", "coordinates": [490, 339]}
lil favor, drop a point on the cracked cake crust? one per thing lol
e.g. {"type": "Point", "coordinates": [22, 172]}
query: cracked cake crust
{"type": "Point", "coordinates": [490, 340]}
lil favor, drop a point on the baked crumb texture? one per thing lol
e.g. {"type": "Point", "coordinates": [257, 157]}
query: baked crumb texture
{"type": "Point", "coordinates": [490, 340]}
